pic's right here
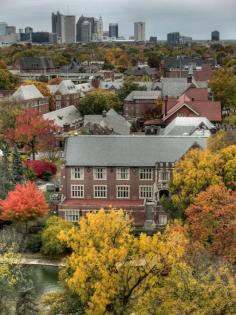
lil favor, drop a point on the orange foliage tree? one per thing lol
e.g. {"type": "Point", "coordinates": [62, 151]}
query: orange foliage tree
{"type": "Point", "coordinates": [25, 203]}
{"type": "Point", "coordinates": [212, 221]}
{"type": "Point", "coordinates": [33, 131]}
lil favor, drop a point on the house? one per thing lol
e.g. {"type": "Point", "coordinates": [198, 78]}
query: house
{"type": "Point", "coordinates": [111, 121]}
{"type": "Point", "coordinates": [35, 64]}
{"type": "Point", "coordinates": [30, 97]}
{"type": "Point", "coordinates": [66, 94]}
{"type": "Point", "coordinates": [142, 71]}
{"type": "Point", "coordinates": [194, 103]}
{"type": "Point", "coordinates": [68, 118]}
{"type": "Point", "coordinates": [128, 172]}
{"type": "Point", "coordinates": [140, 103]}
{"type": "Point", "coordinates": [189, 126]}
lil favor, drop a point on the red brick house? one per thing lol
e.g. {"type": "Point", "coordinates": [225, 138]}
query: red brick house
{"type": "Point", "coordinates": [66, 94]}
{"type": "Point", "coordinates": [96, 174]}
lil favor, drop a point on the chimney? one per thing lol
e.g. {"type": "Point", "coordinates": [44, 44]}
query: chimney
{"type": "Point", "coordinates": [104, 113]}
{"type": "Point", "coordinates": [189, 78]}
{"type": "Point", "coordinates": [95, 83]}
{"type": "Point", "coordinates": [165, 105]}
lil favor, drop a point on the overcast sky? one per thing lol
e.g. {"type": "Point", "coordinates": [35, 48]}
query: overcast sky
{"type": "Point", "coordinates": [196, 18]}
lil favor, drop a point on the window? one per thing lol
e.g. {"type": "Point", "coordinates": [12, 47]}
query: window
{"type": "Point", "coordinates": [77, 191]}
{"type": "Point", "coordinates": [164, 176]}
{"type": "Point", "coordinates": [72, 215]}
{"type": "Point", "coordinates": [100, 191]}
{"type": "Point", "coordinates": [162, 219]}
{"type": "Point", "coordinates": [122, 192]}
{"type": "Point", "coordinates": [77, 173]}
{"type": "Point", "coordinates": [100, 173]}
{"type": "Point", "coordinates": [145, 174]}
{"type": "Point", "coordinates": [122, 173]}
{"type": "Point", "coordinates": [145, 192]}
{"type": "Point", "coordinates": [58, 97]}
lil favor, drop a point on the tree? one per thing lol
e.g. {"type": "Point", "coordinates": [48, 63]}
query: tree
{"type": "Point", "coordinates": [25, 203]}
{"type": "Point", "coordinates": [6, 182]}
{"type": "Point", "coordinates": [109, 268]}
{"type": "Point", "coordinates": [7, 80]}
{"type": "Point", "coordinates": [33, 132]}
{"type": "Point", "coordinates": [99, 100]}
{"type": "Point", "coordinates": [8, 113]}
{"type": "Point", "coordinates": [223, 85]}
{"type": "Point", "coordinates": [127, 88]}
{"type": "Point", "coordinates": [51, 244]}
{"type": "Point", "coordinates": [17, 167]}
{"type": "Point", "coordinates": [220, 140]}
{"type": "Point", "coordinates": [211, 221]}
{"type": "Point", "coordinates": [198, 170]}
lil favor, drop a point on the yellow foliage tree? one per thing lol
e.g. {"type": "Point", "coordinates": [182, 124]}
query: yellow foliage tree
{"type": "Point", "coordinates": [110, 269]}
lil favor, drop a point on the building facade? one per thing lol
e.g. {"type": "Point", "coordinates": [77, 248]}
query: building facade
{"type": "Point", "coordinates": [173, 38]}
{"type": "Point", "coordinates": [113, 30]}
{"type": "Point", "coordinates": [80, 29]}
{"type": "Point", "coordinates": [93, 179]}
{"type": "Point", "coordinates": [139, 31]}
{"type": "Point", "coordinates": [64, 27]}
{"type": "Point", "coordinates": [215, 36]}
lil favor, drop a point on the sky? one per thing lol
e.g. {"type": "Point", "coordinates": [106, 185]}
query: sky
{"type": "Point", "coordinates": [196, 18]}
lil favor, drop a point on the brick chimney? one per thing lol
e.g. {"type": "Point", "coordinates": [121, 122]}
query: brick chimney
{"type": "Point", "coordinates": [95, 83]}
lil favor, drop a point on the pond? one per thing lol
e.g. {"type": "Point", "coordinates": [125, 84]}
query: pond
{"type": "Point", "coordinates": [44, 278]}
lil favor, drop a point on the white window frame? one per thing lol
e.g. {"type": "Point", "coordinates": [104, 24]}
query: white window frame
{"type": "Point", "coordinates": [77, 173]}
{"type": "Point", "coordinates": [161, 173]}
{"type": "Point", "coordinates": [77, 193]}
{"type": "Point", "coordinates": [119, 174]}
{"type": "Point", "coordinates": [143, 193]}
{"type": "Point", "coordinates": [95, 192]}
{"type": "Point", "coordinates": [117, 191]}
{"type": "Point", "coordinates": [95, 173]}
{"type": "Point", "coordinates": [143, 170]}
{"type": "Point", "coordinates": [72, 215]}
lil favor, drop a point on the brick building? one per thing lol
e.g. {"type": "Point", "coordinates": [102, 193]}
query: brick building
{"type": "Point", "coordinates": [127, 172]}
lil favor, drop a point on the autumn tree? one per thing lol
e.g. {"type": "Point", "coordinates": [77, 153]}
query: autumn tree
{"type": "Point", "coordinates": [51, 244]}
{"type": "Point", "coordinates": [211, 221]}
{"type": "Point", "coordinates": [8, 113]}
{"type": "Point", "coordinates": [220, 140]}
{"type": "Point", "coordinates": [33, 132]}
{"type": "Point", "coordinates": [97, 101]}
{"type": "Point", "coordinates": [25, 203]}
{"type": "Point", "coordinates": [109, 268]}
{"type": "Point", "coordinates": [7, 80]}
{"type": "Point", "coordinates": [223, 85]}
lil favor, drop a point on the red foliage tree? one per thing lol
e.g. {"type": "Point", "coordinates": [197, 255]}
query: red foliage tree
{"type": "Point", "coordinates": [212, 221]}
{"type": "Point", "coordinates": [25, 203]}
{"type": "Point", "coordinates": [40, 167]}
{"type": "Point", "coordinates": [33, 131]}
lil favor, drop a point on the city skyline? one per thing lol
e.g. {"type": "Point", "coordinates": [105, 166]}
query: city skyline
{"type": "Point", "coordinates": [191, 18]}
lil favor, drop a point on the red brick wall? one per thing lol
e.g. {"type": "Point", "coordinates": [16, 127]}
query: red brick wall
{"type": "Point", "coordinates": [138, 109]}
{"type": "Point", "coordinates": [184, 111]}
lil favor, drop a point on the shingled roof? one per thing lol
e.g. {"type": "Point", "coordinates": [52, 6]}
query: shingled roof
{"type": "Point", "coordinates": [36, 63]}
{"type": "Point", "coordinates": [127, 151]}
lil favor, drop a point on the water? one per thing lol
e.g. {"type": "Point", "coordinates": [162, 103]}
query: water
{"type": "Point", "coordinates": [45, 279]}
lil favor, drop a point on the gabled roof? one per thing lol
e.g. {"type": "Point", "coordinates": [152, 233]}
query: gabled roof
{"type": "Point", "coordinates": [199, 94]}
{"type": "Point", "coordinates": [174, 87]}
{"type": "Point", "coordinates": [127, 151]}
{"type": "Point", "coordinates": [176, 108]}
{"type": "Point", "coordinates": [67, 87]}
{"type": "Point", "coordinates": [27, 92]}
{"type": "Point", "coordinates": [112, 121]}
{"type": "Point", "coordinates": [64, 116]}
{"type": "Point", "coordinates": [143, 95]}
{"type": "Point", "coordinates": [35, 63]}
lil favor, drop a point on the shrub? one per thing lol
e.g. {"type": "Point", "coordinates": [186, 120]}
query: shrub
{"type": "Point", "coordinates": [51, 245]}
{"type": "Point", "coordinates": [41, 168]}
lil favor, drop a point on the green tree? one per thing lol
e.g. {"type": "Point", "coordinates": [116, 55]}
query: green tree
{"type": "Point", "coordinates": [51, 244]}
{"type": "Point", "coordinates": [97, 101]}
{"type": "Point", "coordinates": [7, 80]}
{"type": "Point", "coordinates": [17, 167]}
{"type": "Point", "coordinates": [128, 87]}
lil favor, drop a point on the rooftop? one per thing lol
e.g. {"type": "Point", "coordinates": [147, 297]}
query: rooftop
{"type": "Point", "coordinates": [27, 92]}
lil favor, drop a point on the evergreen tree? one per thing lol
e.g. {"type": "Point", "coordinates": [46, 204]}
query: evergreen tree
{"type": "Point", "coordinates": [5, 177]}
{"type": "Point", "coordinates": [17, 167]}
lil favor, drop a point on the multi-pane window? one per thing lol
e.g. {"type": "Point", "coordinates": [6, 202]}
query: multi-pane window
{"type": "Point", "coordinates": [145, 192]}
{"type": "Point", "coordinates": [145, 174]}
{"type": "Point", "coordinates": [77, 191]}
{"type": "Point", "coordinates": [72, 215]}
{"type": "Point", "coordinates": [162, 219]}
{"type": "Point", "coordinates": [77, 173]}
{"type": "Point", "coordinates": [122, 173]}
{"type": "Point", "coordinates": [100, 191]}
{"type": "Point", "coordinates": [99, 173]}
{"type": "Point", "coordinates": [164, 176]}
{"type": "Point", "coordinates": [122, 192]}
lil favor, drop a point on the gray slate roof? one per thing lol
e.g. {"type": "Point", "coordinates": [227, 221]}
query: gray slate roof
{"type": "Point", "coordinates": [112, 121]}
{"type": "Point", "coordinates": [27, 92]}
{"type": "Point", "coordinates": [174, 87]}
{"type": "Point", "coordinates": [64, 116]}
{"type": "Point", "coordinates": [35, 63]}
{"type": "Point", "coordinates": [129, 151]}
{"type": "Point", "coordinates": [143, 95]}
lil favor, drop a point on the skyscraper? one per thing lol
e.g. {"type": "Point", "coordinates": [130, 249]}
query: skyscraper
{"type": "Point", "coordinates": [64, 27]}
{"type": "Point", "coordinates": [113, 30]}
{"type": "Point", "coordinates": [215, 36]}
{"type": "Point", "coordinates": [86, 32]}
{"type": "Point", "coordinates": [139, 31]}
{"type": "Point", "coordinates": [173, 38]}
{"type": "Point", "coordinates": [81, 20]}
{"type": "Point", "coordinates": [3, 26]}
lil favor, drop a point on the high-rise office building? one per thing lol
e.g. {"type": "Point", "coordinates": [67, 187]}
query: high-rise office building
{"type": "Point", "coordinates": [10, 30]}
{"type": "Point", "coordinates": [113, 30]}
{"type": "Point", "coordinates": [29, 30]}
{"type": "Point", "coordinates": [81, 20]}
{"type": "Point", "coordinates": [173, 38]}
{"type": "Point", "coordinates": [86, 31]}
{"type": "Point", "coordinates": [3, 27]}
{"type": "Point", "coordinates": [64, 27]}
{"type": "Point", "coordinates": [139, 31]}
{"type": "Point", "coordinates": [215, 36]}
